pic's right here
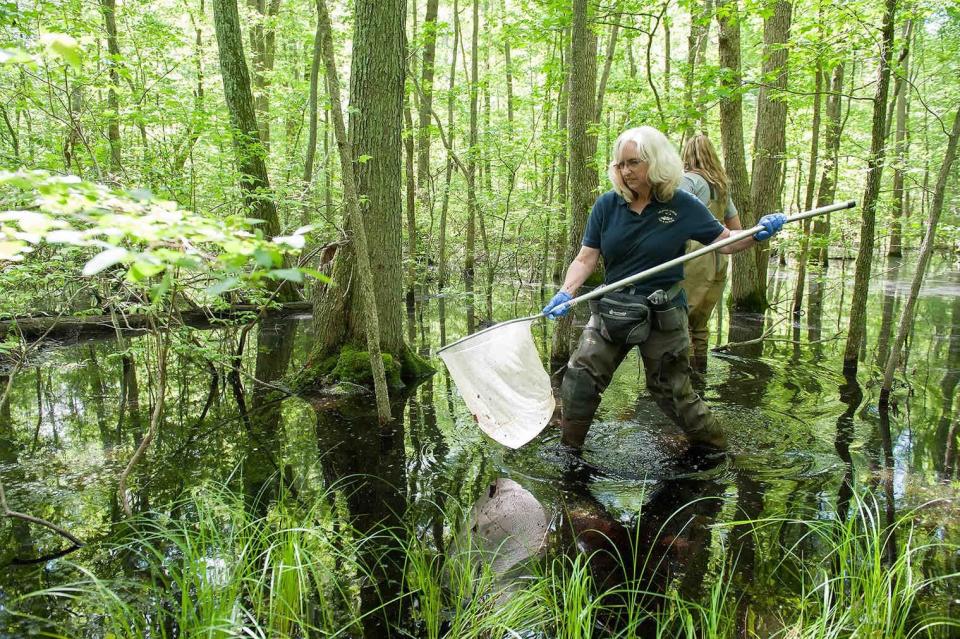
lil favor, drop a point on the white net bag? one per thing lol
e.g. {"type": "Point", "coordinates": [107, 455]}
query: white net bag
{"type": "Point", "coordinates": [502, 381]}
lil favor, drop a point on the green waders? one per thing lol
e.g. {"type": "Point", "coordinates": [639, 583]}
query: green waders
{"type": "Point", "coordinates": [667, 369]}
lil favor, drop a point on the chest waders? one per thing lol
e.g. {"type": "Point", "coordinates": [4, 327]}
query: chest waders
{"type": "Point", "coordinates": [665, 363]}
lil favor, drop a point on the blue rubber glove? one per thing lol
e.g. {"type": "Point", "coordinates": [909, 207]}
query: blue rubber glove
{"type": "Point", "coordinates": [557, 307]}
{"type": "Point", "coordinates": [771, 223]}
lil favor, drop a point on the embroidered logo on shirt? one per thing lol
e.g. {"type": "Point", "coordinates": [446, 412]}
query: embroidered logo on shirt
{"type": "Point", "coordinates": [667, 216]}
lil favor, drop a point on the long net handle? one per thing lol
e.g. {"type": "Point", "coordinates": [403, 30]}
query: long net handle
{"type": "Point", "coordinates": [710, 248]}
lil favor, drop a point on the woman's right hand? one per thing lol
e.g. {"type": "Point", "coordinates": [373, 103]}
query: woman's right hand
{"type": "Point", "coordinates": [557, 307]}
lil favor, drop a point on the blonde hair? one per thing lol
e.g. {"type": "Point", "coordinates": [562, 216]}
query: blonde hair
{"type": "Point", "coordinates": [700, 157]}
{"type": "Point", "coordinates": [664, 169]}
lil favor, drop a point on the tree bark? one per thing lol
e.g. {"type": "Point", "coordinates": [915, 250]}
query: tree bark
{"type": "Point", "coordinates": [926, 250]}
{"type": "Point", "coordinates": [254, 181]}
{"type": "Point", "coordinates": [429, 39]}
{"type": "Point", "coordinates": [856, 333]}
{"type": "Point", "coordinates": [263, 52]}
{"type": "Point", "coordinates": [608, 60]}
{"type": "Point", "coordinates": [828, 175]}
{"type": "Point", "coordinates": [312, 105]}
{"type": "Point", "coordinates": [900, 145]}
{"type": "Point", "coordinates": [769, 147]}
{"type": "Point", "coordinates": [369, 15]}
{"type": "Point", "coordinates": [448, 175]}
{"type": "Point", "coordinates": [469, 260]}
{"type": "Point", "coordinates": [696, 53]}
{"type": "Point", "coordinates": [811, 183]}
{"type": "Point", "coordinates": [583, 150]}
{"type": "Point", "coordinates": [744, 274]}
{"type": "Point", "coordinates": [109, 9]}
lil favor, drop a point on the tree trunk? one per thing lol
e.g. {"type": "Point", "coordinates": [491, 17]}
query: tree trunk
{"type": "Point", "coordinates": [508, 63]}
{"type": "Point", "coordinates": [856, 333]}
{"type": "Point", "coordinates": [828, 176]}
{"type": "Point", "coordinates": [900, 146]}
{"type": "Point", "coordinates": [429, 39]}
{"type": "Point", "coordinates": [262, 53]}
{"type": "Point", "coordinates": [239, 98]}
{"type": "Point", "coordinates": [608, 60]}
{"type": "Point", "coordinates": [583, 150]}
{"type": "Point", "coordinates": [696, 53]}
{"type": "Point", "coordinates": [744, 274]}
{"type": "Point", "coordinates": [361, 263]}
{"type": "Point", "coordinates": [563, 103]}
{"type": "Point", "coordinates": [312, 103]}
{"type": "Point", "coordinates": [769, 146]}
{"type": "Point", "coordinates": [377, 73]}
{"type": "Point", "coordinates": [411, 214]}
{"type": "Point", "coordinates": [109, 9]}
{"type": "Point", "coordinates": [448, 175]}
{"type": "Point", "coordinates": [811, 183]}
{"type": "Point", "coordinates": [926, 250]}
{"type": "Point", "coordinates": [469, 260]}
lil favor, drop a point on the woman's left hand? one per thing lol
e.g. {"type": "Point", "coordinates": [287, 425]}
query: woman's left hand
{"type": "Point", "coordinates": [771, 223]}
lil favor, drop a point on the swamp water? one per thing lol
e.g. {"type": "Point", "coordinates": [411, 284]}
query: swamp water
{"type": "Point", "coordinates": [808, 447]}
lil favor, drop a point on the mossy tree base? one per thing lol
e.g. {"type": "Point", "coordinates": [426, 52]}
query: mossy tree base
{"type": "Point", "coordinates": [351, 366]}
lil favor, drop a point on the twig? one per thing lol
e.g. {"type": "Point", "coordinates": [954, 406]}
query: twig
{"type": "Point", "coordinates": [725, 347]}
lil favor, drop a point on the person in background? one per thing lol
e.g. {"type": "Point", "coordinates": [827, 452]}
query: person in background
{"type": "Point", "coordinates": [644, 221]}
{"type": "Point", "coordinates": [705, 276]}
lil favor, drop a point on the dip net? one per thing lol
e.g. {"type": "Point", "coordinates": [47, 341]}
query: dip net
{"type": "Point", "coordinates": [500, 377]}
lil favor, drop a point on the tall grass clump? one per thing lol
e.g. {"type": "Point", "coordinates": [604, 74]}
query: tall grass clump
{"type": "Point", "coordinates": [217, 570]}
{"type": "Point", "coordinates": [873, 580]}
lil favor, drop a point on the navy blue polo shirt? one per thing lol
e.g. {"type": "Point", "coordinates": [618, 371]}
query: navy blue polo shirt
{"type": "Point", "coordinates": [632, 242]}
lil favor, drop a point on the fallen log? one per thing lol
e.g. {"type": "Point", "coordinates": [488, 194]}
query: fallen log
{"type": "Point", "coordinates": [70, 328]}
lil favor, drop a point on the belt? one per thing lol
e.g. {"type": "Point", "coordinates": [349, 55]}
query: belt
{"type": "Point", "coordinates": [669, 295]}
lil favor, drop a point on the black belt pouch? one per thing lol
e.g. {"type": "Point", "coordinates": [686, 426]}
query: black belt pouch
{"type": "Point", "coordinates": [624, 318]}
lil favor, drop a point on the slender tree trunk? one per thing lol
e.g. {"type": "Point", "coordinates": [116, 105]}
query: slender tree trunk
{"type": "Point", "coordinates": [429, 40]}
{"type": "Point", "coordinates": [312, 108]}
{"type": "Point", "coordinates": [469, 261]}
{"type": "Point", "coordinates": [263, 48]}
{"type": "Point", "coordinates": [900, 146]}
{"type": "Point", "coordinates": [608, 60]}
{"type": "Point", "coordinates": [828, 175]}
{"type": "Point", "coordinates": [583, 150]}
{"type": "Point", "coordinates": [109, 9]}
{"type": "Point", "coordinates": [926, 250]}
{"type": "Point", "coordinates": [811, 183]}
{"type": "Point", "coordinates": [769, 146]}
{"type": "Point", "coordinates": [254, 181]}
{"type": "Point", "coordinates": [744, 274]}
{"type": "Point", "coordinates": [696, 53]}
{"type": "Point", "coordinates": [360, 251]}
{"type": "Point", "coordinates": [508, 62]}
{"type": "Point", "coordinates": [448, 175]}
{"type": "Point", "coordinates": [411, 214]}
{"type": "Point", "coordinates": [856, 334]}
{"type": "Point", "coordinates": [563, 159]}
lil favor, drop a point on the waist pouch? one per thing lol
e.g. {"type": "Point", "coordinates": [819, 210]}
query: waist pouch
{"type": "Point", "coordinates": [624, 318]}
{"type": "Point", "coordinates": [669, 319]}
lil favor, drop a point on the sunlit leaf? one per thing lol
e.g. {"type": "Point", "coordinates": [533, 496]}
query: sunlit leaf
{"type": "Point", "coordinates": [104, 260]}
{"type": "Point", "coordinates": [223, 286]}
{"type": "Point", "coordinates": [293, 241]}
{"type": "Point", "coordinates": [289, 274]}
{"type": "Point", "coordinates": [61, 45]}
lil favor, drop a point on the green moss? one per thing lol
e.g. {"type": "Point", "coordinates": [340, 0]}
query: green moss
{"type": "Point", "coordinates": [414, 367]}
{"type": "Point", "coordinates": [353, 365]}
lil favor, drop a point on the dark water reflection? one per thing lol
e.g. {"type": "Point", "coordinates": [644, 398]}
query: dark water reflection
{"type": "Point", "coordinates": [804, 440]}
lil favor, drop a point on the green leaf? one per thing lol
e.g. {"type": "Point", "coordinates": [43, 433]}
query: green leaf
{"type": "Point", "coordinates": [267, 258]}
{"type": "Point", "coordinates": [157, 292]}
{"type": "Point", "coordinates": [61, 45]}
{"type": "Point", "coordinates": [289, 274]}
{"type": "Point", "coordinates": [223, 286]}
{"type": "Point", "coordinates": [104, 260]}
{"type": "Point", "coordinates": [143, 269]}
{"type": "Point", "coordinates": [314, 273]}
{"type": "Point", "coordinates": [363, 159]}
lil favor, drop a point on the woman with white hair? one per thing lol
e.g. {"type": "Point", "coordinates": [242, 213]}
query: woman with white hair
{"type": "Point", "coordinates": [642, 222]}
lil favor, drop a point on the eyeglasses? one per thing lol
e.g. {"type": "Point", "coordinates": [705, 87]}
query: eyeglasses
{"type": "Point", "coordinates": [633, 164]}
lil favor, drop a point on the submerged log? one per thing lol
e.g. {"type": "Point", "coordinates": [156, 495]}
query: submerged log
{"type": "Point", "coordinates": [74, 328]}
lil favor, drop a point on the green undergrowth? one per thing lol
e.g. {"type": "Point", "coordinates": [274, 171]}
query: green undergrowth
{"type": "Point", "coordinates": [214, 570]}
